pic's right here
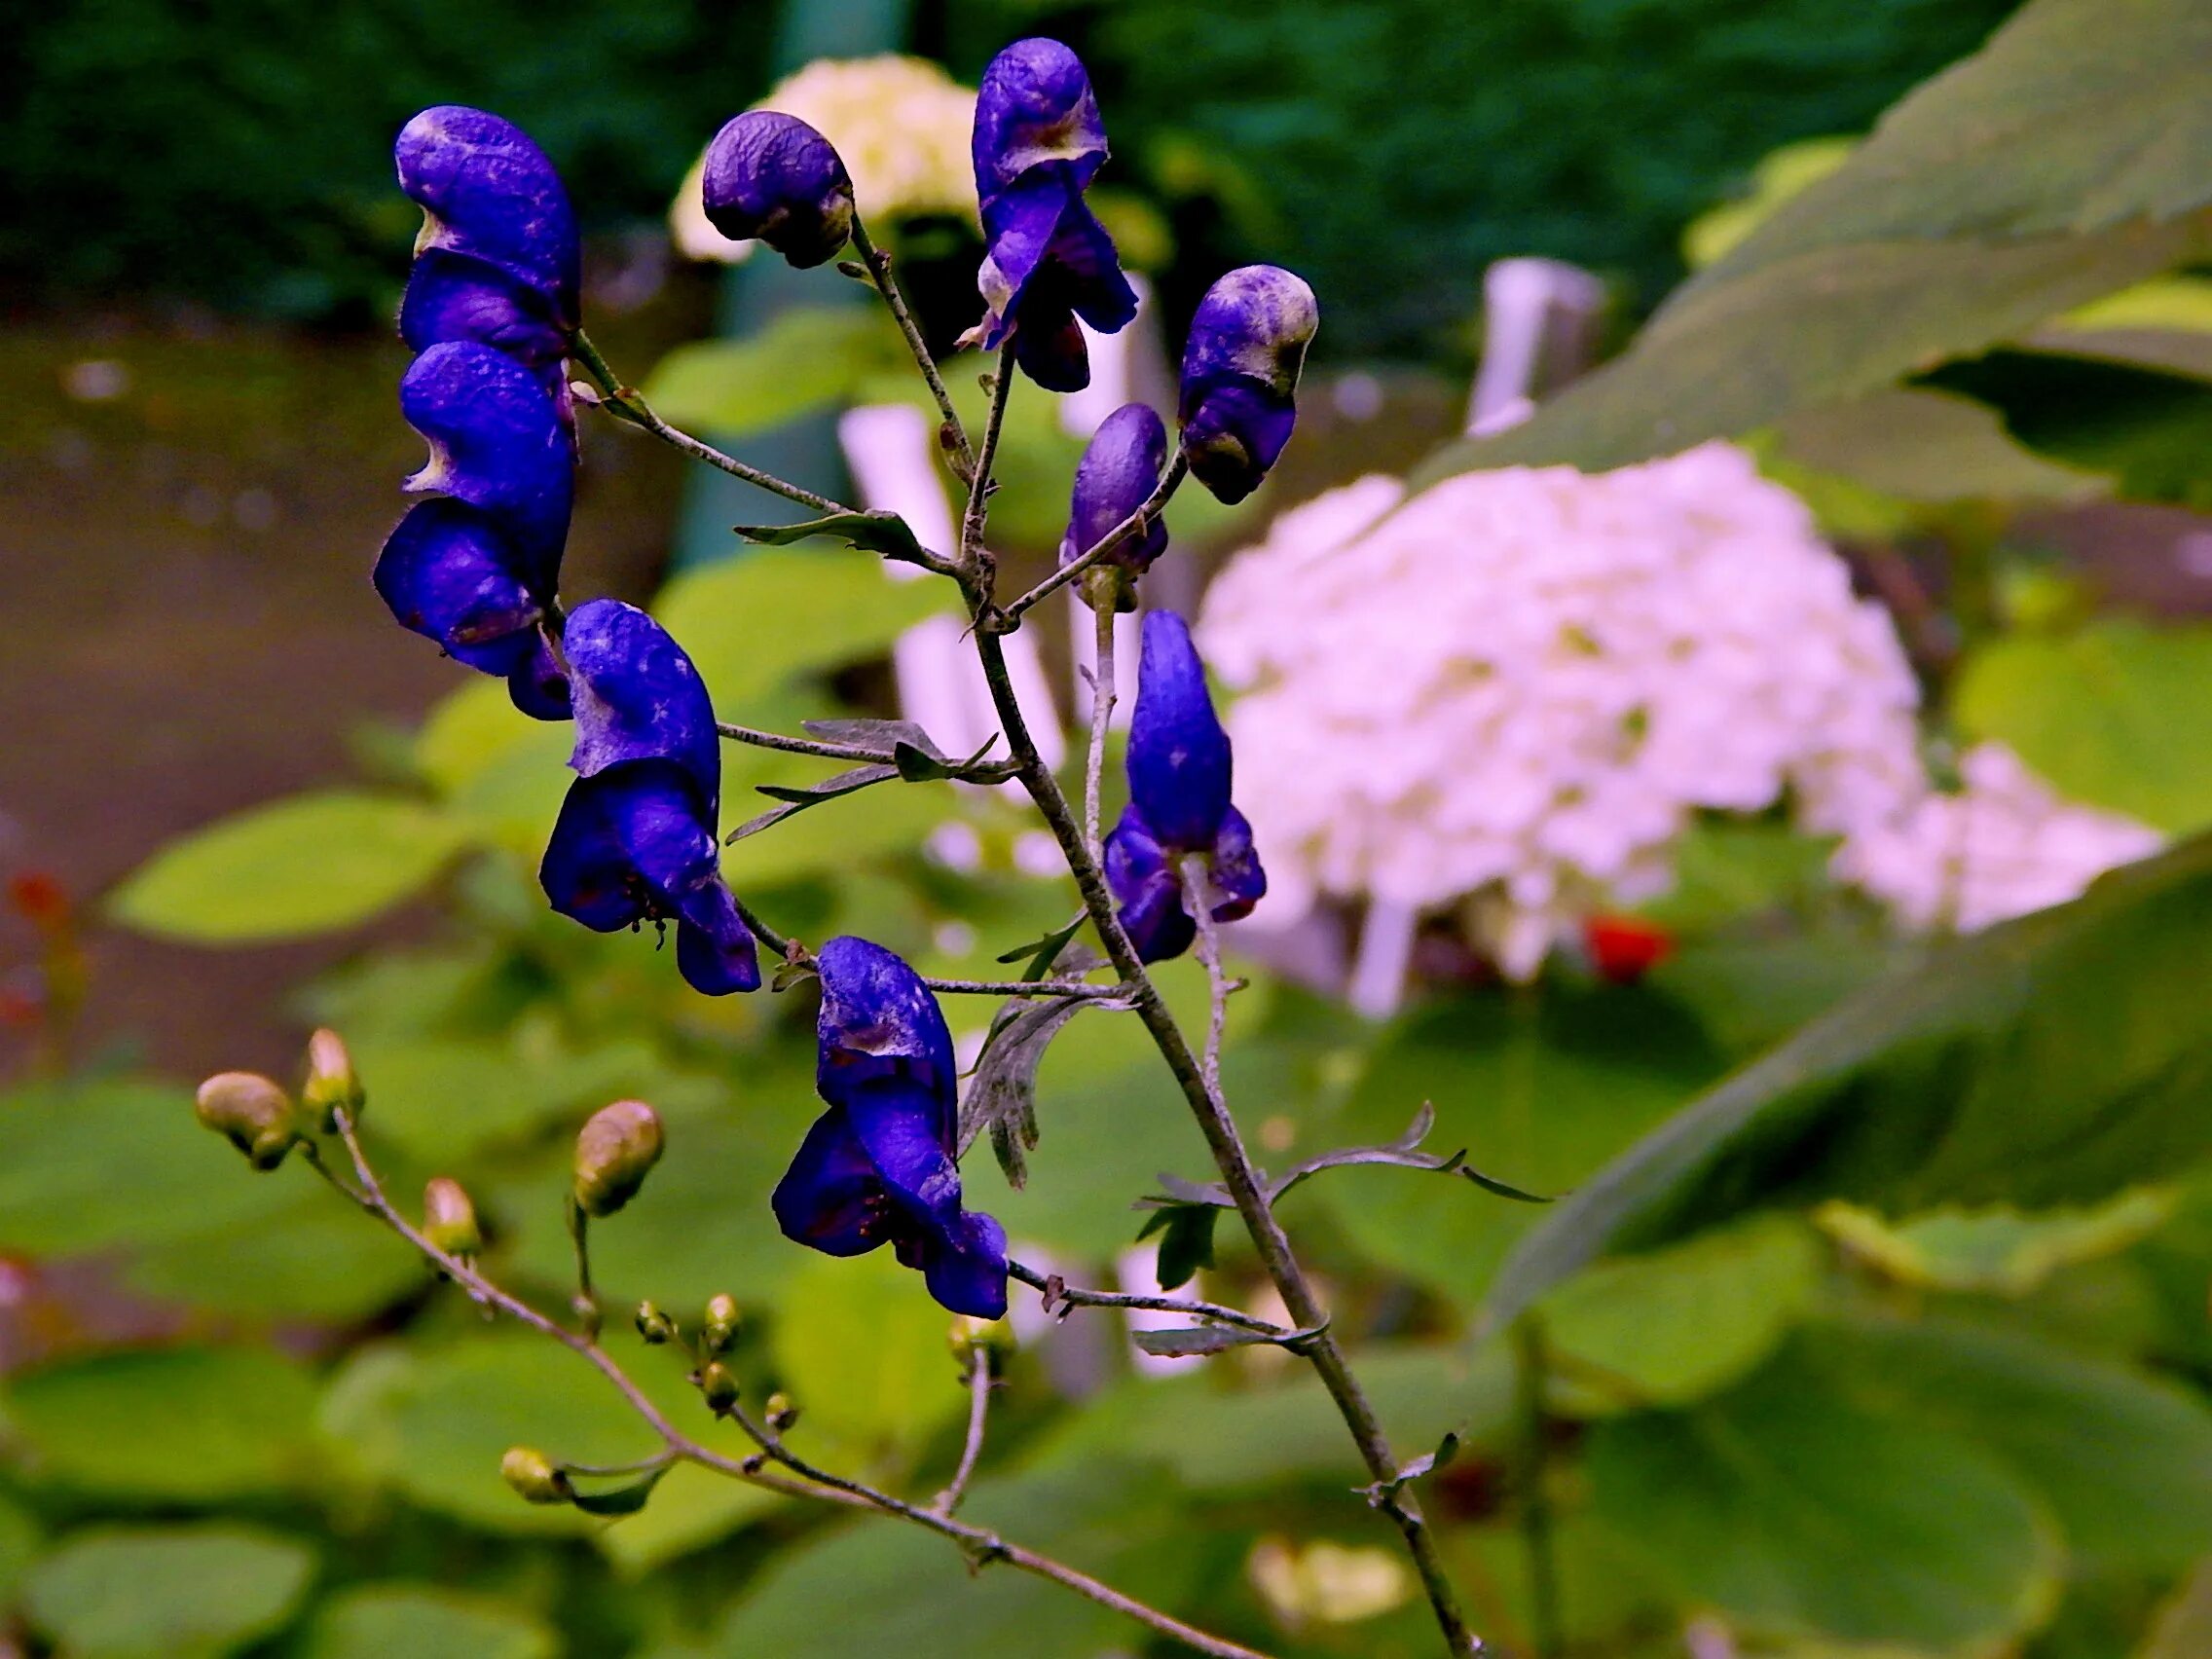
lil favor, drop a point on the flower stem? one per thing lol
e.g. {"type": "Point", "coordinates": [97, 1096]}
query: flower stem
{"type": "Point", "coordinates": [1003, 619]}
{"type": "Point", "coordinates": [1101, 716]}
{"type": "Point", "coordinates": [1060, 1297]}
{"type": "Point", "coordinates": [978, 1410]}
{"type": "Point", "coordinates": [879, 263]}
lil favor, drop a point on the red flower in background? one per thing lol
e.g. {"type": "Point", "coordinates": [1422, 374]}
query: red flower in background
{"type": "Point", "coordinates": [1624, 948]}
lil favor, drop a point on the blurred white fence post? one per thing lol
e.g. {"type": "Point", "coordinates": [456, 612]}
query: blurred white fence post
{"type": "Point", "coordinates": [1539, 319]}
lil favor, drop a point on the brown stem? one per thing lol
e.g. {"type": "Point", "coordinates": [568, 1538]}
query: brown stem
{"type": "Point", "coordinates": [878, 263]}
{"type": "Point", "coordinates": [1059, 1297]}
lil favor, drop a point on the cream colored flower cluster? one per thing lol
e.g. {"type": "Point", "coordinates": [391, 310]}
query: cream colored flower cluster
{"type": "Point", "coordinates": [1509, 694]}
{"type": "Point", "coordinates": [901, 123]}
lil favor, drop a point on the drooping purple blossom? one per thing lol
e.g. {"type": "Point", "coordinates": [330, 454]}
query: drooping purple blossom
{"type": "Point", "coordinates": [476, 568]}
{"type": "Point", "coordinates": [771, 175]}
{"type": "Point", "coordinates": [1038, 143]}
{"type": "Point", "coordinates": [635, 841]}
{"type": "Point", "coordinates": [1179, 773]}
{"type": "Point", "coordinates": [878, 1166]}
{"type": "Point", "coordinates": [1120, 466]}
{"type": "Point", "coordinates": [1240, 368]}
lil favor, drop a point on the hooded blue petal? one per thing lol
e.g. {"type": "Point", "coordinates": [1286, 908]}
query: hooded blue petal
{"type": "Point", "coordinates": [967, 1273]}
{"type": "Point", "coordinates": [1034, 108]}
{"type": "Point", "coordinates": [1120, 466]}
{"type": "Point", "coordinates": [1178, 756]}
{"type": "Point", "coordinates": [903, 1124]}
{"type": "Point", "coordinates": [449, 573]}
{"type": "Point", "coordinates": [486, 191]}
{"type": "Point", "coordinates": [771, 175]}
{"type": "Point", "coordinates": [638, 697]}
{"type": "Point", "coordinates": [540, 686]}
{"type": "Point", "coordinates": [452, 296]}
{"type": "Point", "coordinates": [496, 442]}
{"type": "Point", "coordinates": [1240, 368]}
{"type": "Point", "coordinates": [880, 1023]}
{"type": "Point", "coordinates": [1149, 891]}
{"type": "Point", "coordinates": [832, 1198]}
{"type": "Point", "coordinates": [1236, 873]}
{"type": "Point", "coordinates": [715, 951]}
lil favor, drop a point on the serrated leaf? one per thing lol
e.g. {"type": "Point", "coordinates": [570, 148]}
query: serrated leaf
{"type": "Point", "coordinates": [1002, 1091]}
{"type": "Point", "coordinates": [1186, 1242]}
{"type": "Point", "coordinates": [872, 532]}
{"type": "Point", "coordinates": [1042, 953]}
{"type": "Point", "coordinates": [2053, 1059]}
{"type": "Point", "coordinates": [314, 863]}
{"type": "Point", "coordinates": [166, 1591]}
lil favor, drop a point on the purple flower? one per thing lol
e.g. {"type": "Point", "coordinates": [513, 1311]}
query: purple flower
{"type": "Point", "coordinates": [1240, 367]}
{"type": "Point", "coordinates": [878, 1164]}
{"type": "Point", "coordinates": [1179, 805]}
{"type": "Point", "coordinates": [772, 176]}
{"type": "Point", "coordinates": [476, 570]}
{"type": "Point", "coordinates": [1120, 466]}
{"type": "Point", "coordinates": [498, 259]}
{"type": "Point", "coordinates": [635, 841]}
{"type": "Point", "coordinates": [1038, 143]}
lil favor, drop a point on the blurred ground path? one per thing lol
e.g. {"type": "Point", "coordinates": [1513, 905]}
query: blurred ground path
{"type": "Point", "coordinates": [187, 626]}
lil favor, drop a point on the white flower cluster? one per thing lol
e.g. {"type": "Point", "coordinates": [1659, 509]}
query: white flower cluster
{"type": "Point", "coordinates": [901, 123]}
{"type": "Point", "coordinates": [1509, 694]}
{"type": "Point", "coordinates": [2001, 846]}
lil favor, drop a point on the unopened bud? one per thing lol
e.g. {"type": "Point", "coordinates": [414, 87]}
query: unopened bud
{"type": "Point", "coordinates": [717, 1386]}
{"type": "Point", "coordinates": [969, 1333]}
{"type": "Point", "coordinates": [653, 1325]}
{"type": "Point", "coordinates": [332, 1085]}
{"type": "Point", "coordinates": [255, 1114]}
{"type": "Point", "coordinates": [781, 1413]}
{"type": "Point", "coordinates": [533, 1476]}
{"type": "Point", "coordinates": [720, 1327]}
{"type": "Point", "coordinates": [448, 1219]}
{"type": "Point", "coordinates": [614, 1150]}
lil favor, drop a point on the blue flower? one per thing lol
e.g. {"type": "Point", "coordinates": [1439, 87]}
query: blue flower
{"type": "Point", "coordinates": [1121, 467]}
{"type": "Point", "coordinates": [498, 259]}
{"type": "Point", "coordinates": [1240, 366]}
{"type": "Point", "coordinates": [1179, 805]}
{"type": "Point", "coordinates": [476, 570]}
{"type": "Point", "coordinates": [635, 841]}
{"type": "Point", "coordinates": [772, 176]}
{"type": "Point", "coordinates": [877, 1166]}
{"type": "Point", "coordinates": [1038, 143]}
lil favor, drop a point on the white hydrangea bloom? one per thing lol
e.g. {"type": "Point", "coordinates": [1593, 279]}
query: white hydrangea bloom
{"type": "Point", "coordinates": [902, 124]}
{"type": "Point", "coordinates": [2001, 846]}
{"type": "Point", "coordinates": [1511, 693]}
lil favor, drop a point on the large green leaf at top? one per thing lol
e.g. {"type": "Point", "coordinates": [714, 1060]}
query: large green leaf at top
{"type": "Point", "coordinates": [419, 1621]}
{"type": "Point", "coordinates": [314, 863]}
{"type": "Point", "coordinates": [2053, 1059]}
{"type": "Point", "coordinates": [166, 1591]}
{"type": "Point", "coordinates": [232, 1423]}
{"type": "Point", "coordinates": [2113, 714]}
{"type": "Point", "coordinates": [1801, 1512]}
{"type": "Point", "coordinates": [1926, 445]}
{"type": "Point", "coordinates": [1539, 1088]}
{"type": "Point", "coordinates": [807, 357]}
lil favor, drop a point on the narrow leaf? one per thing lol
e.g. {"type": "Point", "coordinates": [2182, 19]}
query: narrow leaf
{"type": "Point", "coordinates": [874, 532]}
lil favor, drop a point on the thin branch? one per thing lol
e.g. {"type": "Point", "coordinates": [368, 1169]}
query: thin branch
{"type": "Point", "coordinates": [978, 1411]}
{"type": "Point", "coordinates": [627, 403]}
{"type": "Point", "coordinates": [1101, 716]}
{"type": "Point", "coordinates": [1059, 1297]}
{"type": "Point", "coordinates": [879, 263]}
{"type": "Point", "coordinates": [972, 521]}
{"type": "Point", "coordinates": [1023, 988]}
{"type": "Point", "coordinates": [1003, 619]}
{"type": "Point", "coordinates": [981, 1544]}
{"type": "Point", "coordinates": [1197, 899]}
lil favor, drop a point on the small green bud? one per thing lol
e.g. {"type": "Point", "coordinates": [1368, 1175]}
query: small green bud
{"type": "Point", "coordinates": [969, 1335]}
{"type": "Point", "coordinates": [717, 1386]}
{"type": "Point", "coordinates": [253, 1112]}
{"type": "Point", "coordinates": [533, 1476]}
{"type": "Point", "coordinates": [781, 1413]}
{"type": "Point", "coordinates": [614, 1150]}
{"type": "Point", "coordinates": [720, 1327]}
{"type": "Point", "coordinates": [332, 1085]}
{"type": "Point", "coordinates": [448, 1219]}
{"type": "Point", "coordinates": [653, 1325]}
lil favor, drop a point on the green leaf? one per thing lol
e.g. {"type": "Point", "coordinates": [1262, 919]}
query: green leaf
{"type": "Point", "coordinates": [2123, 1462]}
{"type": "Point", "coordinates": [2000, 1249]}
{"type": "Point", "coordinates": [1540, 1090]}
{"type": "Point", "coordinates": [1186, 1242]}
{"type": "Point", "coordinates": [1800, 1512]}
{"type": "Point", "coordinates": [808, 358]}
{"type": "Point", "coordinates": [311, 864]}
{"type": "Point", "coordinates": [18, 1547]}
{"type": "Point", "coordinates": [2053, 1059]}
{"type": "Point", "coordinates": [836, 1309]}
{"type": "Point", "coordinates": [1676, 1325]}
{"type": "Point", "coordinates": [166, 1591]}
{"type": "Point", "coordinates": [174, 1426]}
{"type": "Point", "coordinates": [874, 532]}
{"type": "Point", "coordinates": [733, 617]}
{"type": "Point", "coordinates": [1926, 445]}
{"type": "Point", "coordinates": [311, 1260]}
{"type": "Point", "coordinates": [2184, 1626]}
{"type": "Point", "coordinates": [420, 1621]}
{"type": "Point", "coordinates": [691, 1508]}
{"type": "Point", "coordinates": [2111, 715]}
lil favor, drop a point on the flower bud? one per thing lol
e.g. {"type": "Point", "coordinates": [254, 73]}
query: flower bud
{"type": "Point", "coordinates": [720, 1327]}
{"type": "Point", "coordinates": [969, 1333]}
{"type": "Point", "coordinates": [614, 1150]}
{"type": "Point", "coordinates": [1240, 368]}
{"type": "Point", "coordinates": [771, 175]}
{"type": "Point", "coordinates": [253, 1112]}
{"type": "Point", "coordinates": [448, 1219]}
{"type": "Point", "coordinates": [655, 1326]}
{"type": "Point", "coordinates": [780, 1412]}
{"type": "Point", "coordinates": [533, 1477]}
{"type": "Point", "coordinates": [1119, 467]}
{"type": "Point", "coordinates": [332, 1085]}
{"type": "Point", "coordinates": [717, 1386]}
